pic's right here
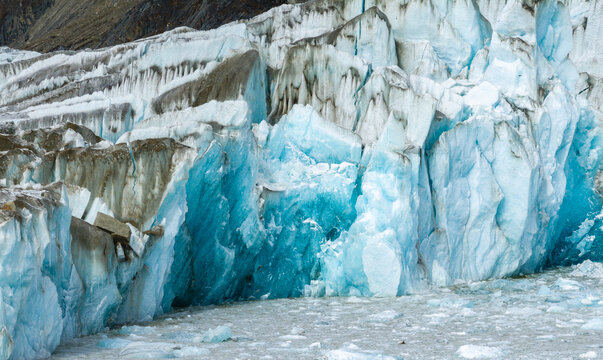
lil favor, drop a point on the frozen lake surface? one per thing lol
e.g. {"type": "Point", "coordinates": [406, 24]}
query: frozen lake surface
{"type": "Point", "coordinates": [553, 315]}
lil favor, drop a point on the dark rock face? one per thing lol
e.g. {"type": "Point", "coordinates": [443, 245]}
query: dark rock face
{"type": "Point", "coordinates": [17, 16]}
{"type": "Point", "coordinates": [47, 25]}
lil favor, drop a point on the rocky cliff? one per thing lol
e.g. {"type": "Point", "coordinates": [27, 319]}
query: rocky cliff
{"type": "Point", "coordinates": [47, 25]}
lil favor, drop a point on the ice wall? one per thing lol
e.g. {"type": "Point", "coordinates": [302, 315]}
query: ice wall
{"type": "Point", "coordinates": [327, 148]}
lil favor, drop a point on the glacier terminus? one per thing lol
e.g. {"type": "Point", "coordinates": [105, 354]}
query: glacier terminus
{"type": "Point", "coordinates": [357, 148]}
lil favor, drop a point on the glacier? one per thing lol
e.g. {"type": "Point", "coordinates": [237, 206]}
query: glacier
{"type": "Point", "coordinates": [329, 148]}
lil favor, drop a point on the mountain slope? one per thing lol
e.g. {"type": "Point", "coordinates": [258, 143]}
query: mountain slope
{"type": "Point", "coordinates": [46, 25]}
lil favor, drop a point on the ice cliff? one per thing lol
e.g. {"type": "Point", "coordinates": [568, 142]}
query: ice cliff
{"type": "Point", "coordinates": [329, 148]}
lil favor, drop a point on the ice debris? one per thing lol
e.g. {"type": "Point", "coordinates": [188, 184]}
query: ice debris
{"type": "Point", "coordinates": [354, 353]}
{"type": "Point", "coordinates": [588, 355]}
{"type": "Point", "coordinates": [589, 269]}
{"type": "Point", "coordinates": [479, 352]}
{"type": "Point", "coordinates": [595, 324]}
{"type": "Point", "coordinates": [217, 335]}
{"type": "Point", "coordinates": [385, 316]}
{"type": "Point", "coordinates": [113, 343]}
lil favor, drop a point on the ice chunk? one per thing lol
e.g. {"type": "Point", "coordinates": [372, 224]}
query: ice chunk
{"type": "Point", "coordinates": [522, 311]}
{"type": "Point", "coordinates": [180, 336]}
{"type": "Point", "coordinates": [589, 269]}
{"type": "Point", "coordinates": [595, 324]}
{"type": "Point", "coordinates": [451, 303]}
{"type": "Point", "coordinates": [588, 355]}
{"type": "Point", "coordinates": [385, 316]}
{"type": "Point", "coordinates": [148, 350]}
{"type": "Point", "coordinates": [568, 285]}
{"type": "Point", "coordinates": [136, 330]}
{"type": "Point", "coordinates": [217, 335]}
{"type": "Point", "coordinates": [292, 337]}
{"type": "Point", "coordinates": [137, 240]}
{"type": "Point", "coordinates": [479, 352]}
{"type": "Point", "coordinates": [113, 343]}
{"type": "Point", "coordinates": [354, 355]}
{"type": "Point", "coordinates": [557, 308]}
{"type": "Point", "coordinates": [190, 351]}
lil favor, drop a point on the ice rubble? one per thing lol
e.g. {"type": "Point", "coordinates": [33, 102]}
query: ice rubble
{"type": "Point", "coordinates": [219, 334]}
{"type": "Point", "coordinates": [327, 148]}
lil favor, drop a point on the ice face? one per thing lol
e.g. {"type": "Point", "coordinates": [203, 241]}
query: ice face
{"type": "Point", "coordinates": [328, 148]}
{"type": "Point", "coordinates": [309, 188]}
{"type": "Point", "coordinates": [36, 273]}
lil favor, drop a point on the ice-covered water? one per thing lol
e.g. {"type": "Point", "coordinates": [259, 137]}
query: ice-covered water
{"type": "Point", "coordinates": [557, 314]}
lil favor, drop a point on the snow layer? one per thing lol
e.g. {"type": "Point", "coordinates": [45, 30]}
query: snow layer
{"type": "Point", "coordinates": [363, 148]}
